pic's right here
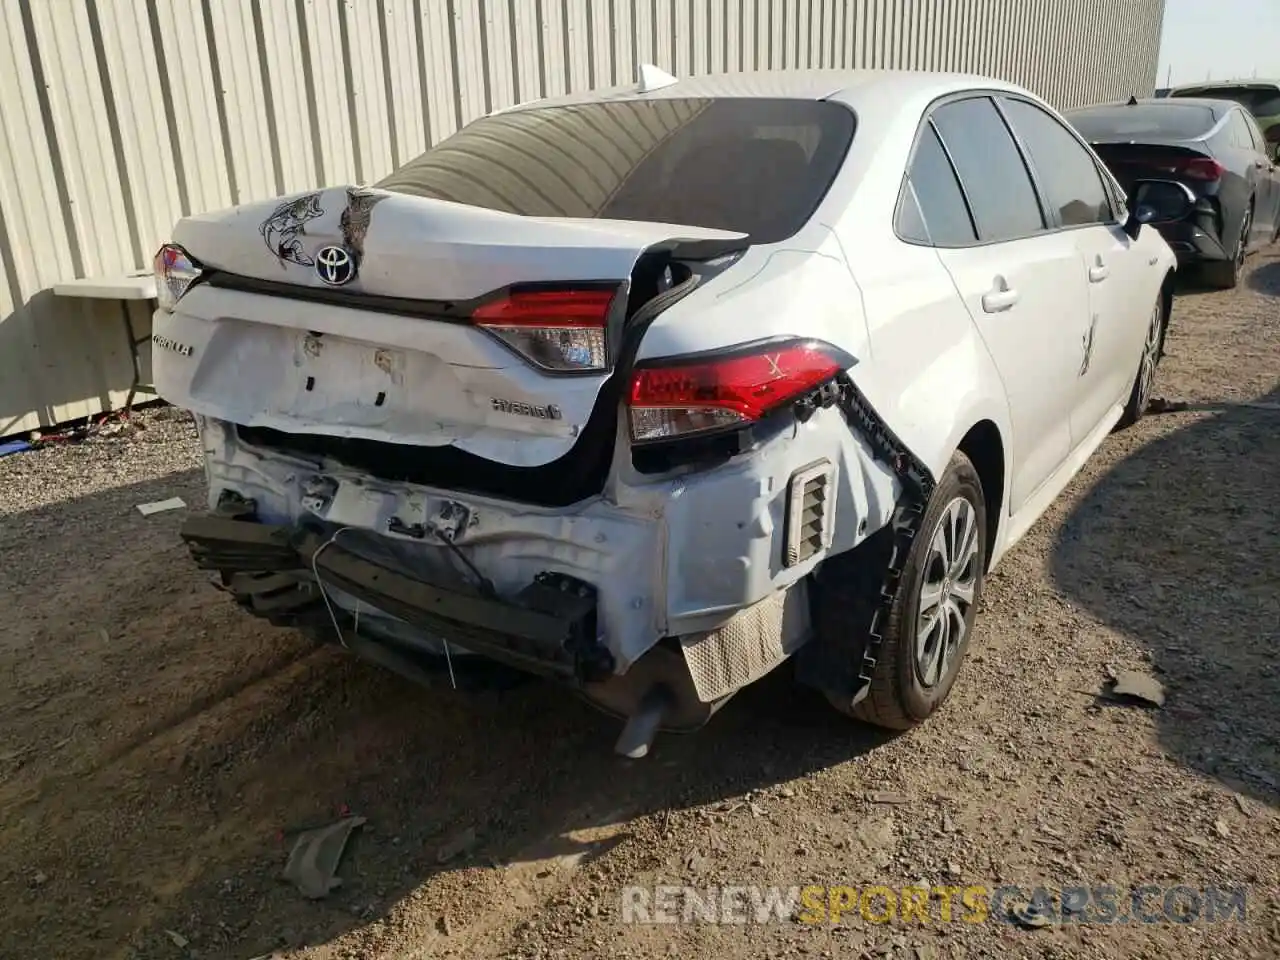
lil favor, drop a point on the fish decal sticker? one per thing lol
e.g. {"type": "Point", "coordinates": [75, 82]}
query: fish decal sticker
{"type": "Point", "coordinates": [283, 230]}
{"type": "Point", "coordinates": [356, 217]}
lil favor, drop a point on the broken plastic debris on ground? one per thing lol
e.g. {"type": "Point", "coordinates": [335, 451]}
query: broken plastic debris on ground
{"type": "Point", "coordinates": [313, 863]}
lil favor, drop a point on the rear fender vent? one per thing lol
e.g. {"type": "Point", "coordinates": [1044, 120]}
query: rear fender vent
{"type": "Point", "coordinates": [810, 510]}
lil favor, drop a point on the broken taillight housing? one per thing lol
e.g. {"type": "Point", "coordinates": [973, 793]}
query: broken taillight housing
{"type": "Point", "coordinates": [176, 271]}
{"type": "Point", "coordinates": [680, 397]}
{"type": "Point", "coordinates": [559, 330]}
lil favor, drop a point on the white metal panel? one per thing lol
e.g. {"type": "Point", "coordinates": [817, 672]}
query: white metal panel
{"type": "Point", "coordinates": [36, 244]}
{"type": "Point", "coordinates": [402, 80]}
{"type": "Point", "coordinates": [331, 116]}
{"type": "Point", "coordinates": [500, 46]}
{"type": "Point", "coordinates": [145, 149]}
{"type": "Point", "coordinates": [188, 76]}
{"type": "Point", "coordinates": [530, 48]}
{"type": "Point", "coordinates": [78, 115]}
{"type": "Point", "coordinates": [282, 49]}
{"type": "Point", "coordinates": [366, 89]}
{"type": "Point", "coordinates": [444, 98]}
{"type": "Point", "coordinates": [664, 55]}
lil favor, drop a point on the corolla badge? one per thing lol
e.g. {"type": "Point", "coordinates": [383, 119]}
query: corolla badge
{"type": "Point", "coordinates": [335, 266]}
{"type": "Point", "coordinates": [167, 343]}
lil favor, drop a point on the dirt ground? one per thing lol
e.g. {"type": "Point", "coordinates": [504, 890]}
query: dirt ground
{"type": "Point", "coordinates": [159, 749]}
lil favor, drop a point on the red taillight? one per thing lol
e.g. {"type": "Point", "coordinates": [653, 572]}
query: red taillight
{"type": "Point", "coordinates": [677, 398]}
{"type": "Point", "coordinates": [1201, 168]}
{"type": "Point", "coordinates": [561, 330]}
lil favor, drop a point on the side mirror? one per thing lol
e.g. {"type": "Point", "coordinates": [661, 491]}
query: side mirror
{"type": "Point", "coordinates": [1158, 201]}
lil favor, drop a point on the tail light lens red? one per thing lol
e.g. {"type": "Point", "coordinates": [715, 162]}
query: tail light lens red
{"type": "Point", "coordinates": [684, 397]}
{"type": "Point", "coordinates": [561, 330]}
{"type": "Point", "coordinates": [1201, 168]}
{"type": "Point", "coordinates": [175, 272]}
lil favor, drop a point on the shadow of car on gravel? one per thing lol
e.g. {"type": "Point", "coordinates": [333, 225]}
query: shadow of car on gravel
{"type": "Point", "coordinates": [1266, 278]}
{"type": "Point", "coordinates": [1178, 546]}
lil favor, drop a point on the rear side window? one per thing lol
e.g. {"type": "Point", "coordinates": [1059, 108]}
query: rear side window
{"type": "Point", "coordinates": [752, 165]}
{"type": "Point", "coordinates": [991, 170]}
{"type": "Point", "coordinates": [933, 210]}
{"type": "Point", "coordinates": [1255, 133]}
{"type": "Point", "coordinates": [1166, 119]}
{"type": "Point", "coordinates": [1067, 174]}
{"type": "Point", "coordinates": [1241, 136]}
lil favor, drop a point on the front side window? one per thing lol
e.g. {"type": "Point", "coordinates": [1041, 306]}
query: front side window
{"type": "Point", "coordinates": [751, 165]}
{"type": "Point", "coordinates": [991, 170]}
{"type": "Point", "coordinates": [1067, 173]}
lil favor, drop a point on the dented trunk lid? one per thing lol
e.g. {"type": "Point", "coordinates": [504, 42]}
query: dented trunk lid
{"type": "Point", "coordinates": [272, 337]}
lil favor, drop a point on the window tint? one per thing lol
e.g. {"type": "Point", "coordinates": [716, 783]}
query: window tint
{"type": "Point", "coordinates": [1161, 118]}
{"type": "Point", "coordinates": [991, 170]}
{"type": "Point", "coordinates": [1067, 174]}
{"type": "Point", "coordinates": [933, 210]}
{"type": "Point", "coordinates": [753, 165]}
{"type": "Point", "coordinates": [1260, 101]}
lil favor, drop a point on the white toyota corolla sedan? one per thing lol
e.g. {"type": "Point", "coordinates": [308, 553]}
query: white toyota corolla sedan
{"type": "Point", "coordinates": [651, 389]}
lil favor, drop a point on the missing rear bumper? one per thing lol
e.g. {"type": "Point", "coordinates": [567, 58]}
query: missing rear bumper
{"type": "Point", "coordinates": [548, 628]}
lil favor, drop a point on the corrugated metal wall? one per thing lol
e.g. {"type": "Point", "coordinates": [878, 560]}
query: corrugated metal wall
{"type": "Point", "coordinates": [117, 117]}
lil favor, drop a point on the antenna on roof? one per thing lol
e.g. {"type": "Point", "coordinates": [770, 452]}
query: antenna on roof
{"type": "Point", "coordinates": [1133, 100]}
{"type": "Point", "coordinates": [651, 77]}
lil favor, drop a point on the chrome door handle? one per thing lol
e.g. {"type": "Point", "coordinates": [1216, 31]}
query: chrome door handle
{"type": "Point", "coordinates": [1001, 298]}
{"type": "Point", "coordinates": [1099, 273]}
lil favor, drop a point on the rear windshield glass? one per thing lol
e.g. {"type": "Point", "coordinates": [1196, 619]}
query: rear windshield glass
{"type": "Point", "coordinates": [1261, 103]}
{"type": "Point", "coordinates": [755, 166]}
{"type": "Point", "coordinates": [1168, 121]}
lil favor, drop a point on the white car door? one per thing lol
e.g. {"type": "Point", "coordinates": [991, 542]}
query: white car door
{"type": "Point", "coordinates": [1072, 187]}
{"type": "Point", "coordinates": [1024, 285]}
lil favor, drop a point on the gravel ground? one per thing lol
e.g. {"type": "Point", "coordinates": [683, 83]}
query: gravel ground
{"type": "Point", "coordinates": [158, 749]}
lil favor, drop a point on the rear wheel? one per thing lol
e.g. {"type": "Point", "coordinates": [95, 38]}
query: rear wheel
{"type": "Point", "coordinates": [932, 618]}
{"type": "Point", "coordinates": [1225, 274]}
{"type": "Point", "coordinates": [1145, 378]}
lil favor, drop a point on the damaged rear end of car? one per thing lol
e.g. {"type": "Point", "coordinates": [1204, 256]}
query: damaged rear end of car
{"type": "Point", "coordinates": [498, 406]}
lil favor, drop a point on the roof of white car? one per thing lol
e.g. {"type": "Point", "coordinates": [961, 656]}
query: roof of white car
{"type": "Point", "coordinates": [842, 85]}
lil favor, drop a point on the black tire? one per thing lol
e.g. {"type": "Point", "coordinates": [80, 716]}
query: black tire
{"type": "Point", "coordinates": [1226, 274]}
{"type": "Point", "coordinates": [1148, 361]}
{"type": "Point", "coordinates": [899, 697]}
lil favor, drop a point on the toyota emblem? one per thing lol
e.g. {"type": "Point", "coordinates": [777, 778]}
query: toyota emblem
{"type": "Point", "coordinates": [335, 266]}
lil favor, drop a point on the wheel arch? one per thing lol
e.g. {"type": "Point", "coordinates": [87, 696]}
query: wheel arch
{"type": "Point", "coordinates": [1166, 302]}
{"type": "Point", "coordinates": [984, 447]}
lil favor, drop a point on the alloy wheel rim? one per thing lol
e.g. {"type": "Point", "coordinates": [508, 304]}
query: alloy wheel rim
{"type": "Point", "coordinates": [1150, 356]}
{"type": "Point", "coordinates": [948, 592]}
